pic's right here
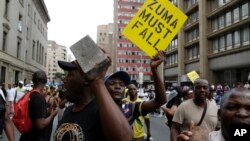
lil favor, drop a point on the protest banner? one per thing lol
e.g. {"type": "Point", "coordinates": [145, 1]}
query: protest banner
{"type": "Point", "coordinates": [193, 75]}
{"type": "Point", "coordinates": [154, 26]}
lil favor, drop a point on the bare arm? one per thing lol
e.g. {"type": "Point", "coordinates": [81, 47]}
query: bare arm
{"type": "Point", "coordinates": [8, 128]}
{"type": "Point", "coordinates": [110, 114]}
{"type": "Point", "coordinates": [160, 97]}
{"type": "Point", "coordinates": [171, 111]}
{"type": "Point", "coordinates": [175, 130]}
{"type": "Point", "coordinates": [44, 122]}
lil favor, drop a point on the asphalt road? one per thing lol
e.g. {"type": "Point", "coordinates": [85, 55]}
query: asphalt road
{"type": "Point", "coordinates": [159, 131]}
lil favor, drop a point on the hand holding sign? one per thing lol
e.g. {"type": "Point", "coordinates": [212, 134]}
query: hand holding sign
{"type": "Point", "coordinates": [157, 59]}
{"type": "Point", "coordinates": [154, 26]}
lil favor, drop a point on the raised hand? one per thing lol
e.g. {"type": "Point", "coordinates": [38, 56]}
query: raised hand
{"type": "Point", "coordinates": [157, 59]}
{"type": "Point", "coordinates": [186, 134]}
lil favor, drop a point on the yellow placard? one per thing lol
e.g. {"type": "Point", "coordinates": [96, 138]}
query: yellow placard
{"type": "Point", "coordinates": [154, 26]}
{"type": "Point", "coordinates": [193, 75]}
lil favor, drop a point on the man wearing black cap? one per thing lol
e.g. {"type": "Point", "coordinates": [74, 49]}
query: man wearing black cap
{"type": "Point", "coordinates": [94, 116]}
{"type": "Point", "coordinates": [116, 83]}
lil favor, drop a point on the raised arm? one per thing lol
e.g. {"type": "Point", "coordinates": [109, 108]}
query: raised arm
{"type": "Point", "coordinates": [114, 123]}
{"type": "Point", "coordinates": [160, 97]}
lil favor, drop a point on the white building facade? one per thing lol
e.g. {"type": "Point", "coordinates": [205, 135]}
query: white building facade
{"type": "Point", "coordinates": [23, 39]}
{"type": "Point", "coordinates": [55, 52]}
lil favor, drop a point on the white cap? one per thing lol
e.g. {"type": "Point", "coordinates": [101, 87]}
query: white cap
{"type": "Point", "coordinates": [21, 82]}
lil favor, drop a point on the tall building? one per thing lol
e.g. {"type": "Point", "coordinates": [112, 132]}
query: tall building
{"type": "Point", "coordinates": [128, 57]}
{"type": "Point", "coordinates": [55, 52]}
{"type": "Point", "coordinates": [23, 39]}
{"type": "Point", "coordinates": [215, 41]}
{"type": "Point", "coordinates": [105, 41]}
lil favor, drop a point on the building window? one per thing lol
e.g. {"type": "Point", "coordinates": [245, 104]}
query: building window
{"type": "Point", "coordinates": [4, 40]}
{"type": "Point", "coordinates": [190, 3]}
{"type": "Point", "coordinates": [245, 11]}
{"type": "Point", "coordinates": [28, 10]}
{"type": "Point", "coordinates": [42, 55]}
{"type": "Point", "coordinates": [193, 35]}
{"type": "Point", "coordinates": [27, 33]}
{"type": "Point", "coordinates": [222, 43]}
{"type": "Point", "coordinates": [33, 49]}
{"type": "Point", "coordinates": [6, 10]}
{"type": "Point", "coordinates": [245, 37]}
{"type": "Point", "coordinates": [215, 24]}
{"type": "Point", "coordinates": [193, 53]}
{"type": "Point", "coordinates": [215, 46]}
{"type": "Point", "coordinates": [236, 38]}
{"type": "Point", "coordinates": [3, 74]}
{"type": "Point", "coordinates": [236, 15]}
{"type": "Point", "coordinates": [18, 50]}
{"type": "Point", "coordinates": [173, 45]}
{"type": "Point", "coordinates": [45, 58]}
{"type": "Point", "coordinates": [221, 22]}
{"type": "Point", "coordinates": [221, 2]}
{"type": "Point", "coordinates": [37, 50]}
{"type": "Point", "coordinates": [19, 24]}
{"type": "Point", "coordinates": [34, 17]}
{"type": "Point", "coordinates": [26, 55]}
{"type": "Point", "coordinates": [38, 24]}
{"type": "Point", "coordinates": [228, 18]}
{"type": "Point", "coordinates": [229, 41]}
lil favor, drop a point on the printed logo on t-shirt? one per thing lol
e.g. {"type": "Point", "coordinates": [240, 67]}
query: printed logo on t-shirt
{"type": "Point", "coordinates": [69, 132]}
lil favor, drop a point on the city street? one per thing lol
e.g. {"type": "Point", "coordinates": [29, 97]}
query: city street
{"type": "Point", "coordinates": [159, 131]}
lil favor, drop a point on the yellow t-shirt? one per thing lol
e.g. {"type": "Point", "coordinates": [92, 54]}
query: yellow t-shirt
{"type": "Point", "coordinates": [138, 123]}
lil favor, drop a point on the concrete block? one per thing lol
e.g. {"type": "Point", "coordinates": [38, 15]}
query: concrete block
{"type": "Point", "coordinates": [90, 57]}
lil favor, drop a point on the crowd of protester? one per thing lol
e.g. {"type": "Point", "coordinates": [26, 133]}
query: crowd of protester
{"type": "Point", "coordinates": [91, 109]}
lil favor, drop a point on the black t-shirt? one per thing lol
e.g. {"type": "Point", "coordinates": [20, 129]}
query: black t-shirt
{"type": "Point", "coordinates": [175, 101]}
{"type": "Point", "coordinates": [84, 125]}
{"type": "Point", "coordinates": [2, 107]}
{"type": "Point", "coordinates": [37, 109]}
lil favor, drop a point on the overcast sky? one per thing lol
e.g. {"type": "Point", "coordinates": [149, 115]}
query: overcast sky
{"type": "Point", "coordinates": [73, 19]}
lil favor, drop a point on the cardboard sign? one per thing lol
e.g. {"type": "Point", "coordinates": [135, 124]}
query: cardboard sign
{"type": "Point", "coordinates": [193, 75]}
{"type": "Point", "coordinates": [154, 26]}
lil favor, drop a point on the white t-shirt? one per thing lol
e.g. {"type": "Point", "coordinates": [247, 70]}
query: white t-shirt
{"type": "Point", "coordinates": [187, 111]}
{"type": "Point", "coordinates": [10, 94]}
{"type": "Point", "coordinates": [19, 92]}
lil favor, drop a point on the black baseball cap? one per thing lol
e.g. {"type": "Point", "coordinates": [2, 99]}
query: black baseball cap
{"type": "Point", "coordinates": [68, 66]}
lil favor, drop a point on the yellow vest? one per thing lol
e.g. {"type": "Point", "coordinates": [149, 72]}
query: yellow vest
{"type": "Point", "coordinates": [138, 123]}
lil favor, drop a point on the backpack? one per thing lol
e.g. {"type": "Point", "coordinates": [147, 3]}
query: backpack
{"type": "Point", "coordinates": [21, 117]}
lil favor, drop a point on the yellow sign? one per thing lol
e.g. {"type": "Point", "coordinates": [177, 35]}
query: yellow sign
{"type": "Point", "coordinates": [154, 26]}
{"type": "Point", "coordinates": [193, 75]}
